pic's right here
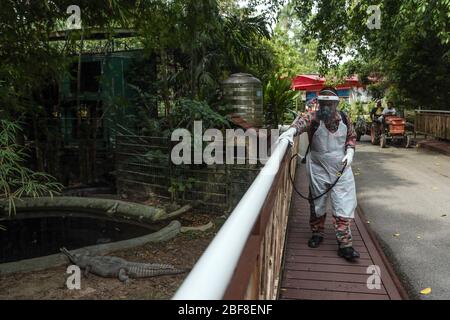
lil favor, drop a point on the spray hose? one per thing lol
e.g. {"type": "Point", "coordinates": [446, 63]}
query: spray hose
{"type": "Point", "coordinates": [310, 198]}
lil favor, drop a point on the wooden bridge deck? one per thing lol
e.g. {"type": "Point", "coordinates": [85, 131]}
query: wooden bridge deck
{"type": "Point", "coordinates": [319, 274]}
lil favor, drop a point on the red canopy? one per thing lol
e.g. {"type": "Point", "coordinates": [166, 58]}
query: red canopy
{"type": "Point", "coordinates": [307, 82]}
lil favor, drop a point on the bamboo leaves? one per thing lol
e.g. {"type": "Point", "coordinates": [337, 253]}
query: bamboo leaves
{"type": "Point", "coordinates": [16, 180]}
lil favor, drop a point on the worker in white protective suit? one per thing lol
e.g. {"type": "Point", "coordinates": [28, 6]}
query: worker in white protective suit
{"type": "Point", "coordinates": [332, 147]}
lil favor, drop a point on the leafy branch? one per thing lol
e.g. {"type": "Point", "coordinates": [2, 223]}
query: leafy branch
{"type": "Point", "coordinates": [180, 185]}
{"type": "Point", "coordinates": [16, 180]}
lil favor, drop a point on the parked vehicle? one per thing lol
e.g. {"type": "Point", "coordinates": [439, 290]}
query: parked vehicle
{"type": "Point", "coordinates": [362, 127]}
{"type": "Point", "coordinates": [393, 131]}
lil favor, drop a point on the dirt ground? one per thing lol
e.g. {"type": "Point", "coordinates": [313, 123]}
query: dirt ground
{"type": "Point", "coordinates": [182, 251]}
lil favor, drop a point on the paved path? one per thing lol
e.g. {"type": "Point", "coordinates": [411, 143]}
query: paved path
{"type": "Point", "coordinates": [405, 194]}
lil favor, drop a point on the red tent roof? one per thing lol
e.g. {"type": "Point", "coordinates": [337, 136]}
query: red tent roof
{"type": "Point", "coordinates": [308, 82]}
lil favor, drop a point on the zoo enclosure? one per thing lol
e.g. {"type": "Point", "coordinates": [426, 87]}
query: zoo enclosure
{"type": "Point", "coordinates": [244, 260]}
{"type": "Point", "coordinates": [144, 170]}
{"type": "Point", "coordinates": [435, 123]}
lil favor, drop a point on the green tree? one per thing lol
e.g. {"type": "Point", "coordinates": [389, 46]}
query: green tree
{"type": "Point", "coordinates": [294, 54]}
{"type": "Point", "coordinates": [16, 180]}
{"type": "Point", "coordinates": [410, 53]}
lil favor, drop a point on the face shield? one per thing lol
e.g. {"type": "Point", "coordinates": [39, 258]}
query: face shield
{"type": "Point", "coordinates": [327, 106]}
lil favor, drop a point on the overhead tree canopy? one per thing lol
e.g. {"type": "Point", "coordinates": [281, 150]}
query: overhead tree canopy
{"type": "Point", "coordinates": [411, 50]}
{"type": "Point", "coordinates": [208, 39]}
{"type": "Point", "coordinates": [189, 45]}
{"type": "Point", "coordinates": [293, 55]}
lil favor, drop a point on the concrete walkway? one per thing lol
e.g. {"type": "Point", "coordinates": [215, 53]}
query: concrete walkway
{"type": "Point", "coordinates": [405, 195]}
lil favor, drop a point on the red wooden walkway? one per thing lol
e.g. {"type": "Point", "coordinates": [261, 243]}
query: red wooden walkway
{"type": "Point", "coordinates": [319, 274]}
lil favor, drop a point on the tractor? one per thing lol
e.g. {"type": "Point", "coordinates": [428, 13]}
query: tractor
{"type": "Point", "coordinates": [392, 131]}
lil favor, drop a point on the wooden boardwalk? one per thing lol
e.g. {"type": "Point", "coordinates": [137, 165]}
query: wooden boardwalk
{"type": "Point", "coordinates": [319, 274]}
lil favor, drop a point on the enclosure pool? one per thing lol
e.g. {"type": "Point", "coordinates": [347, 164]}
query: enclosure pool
{"type": "Point", "coordinates": [44, 234]}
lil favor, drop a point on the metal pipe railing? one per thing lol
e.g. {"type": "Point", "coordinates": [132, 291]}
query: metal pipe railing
{"type": "Point", "coordinates": [212, 274]}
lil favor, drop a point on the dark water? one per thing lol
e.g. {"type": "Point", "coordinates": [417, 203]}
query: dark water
{"type": "Point", "coordinates": [27, 238]}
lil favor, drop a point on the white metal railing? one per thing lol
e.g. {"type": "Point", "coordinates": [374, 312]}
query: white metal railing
{"type": "Point", "coordinates": [212, 274]}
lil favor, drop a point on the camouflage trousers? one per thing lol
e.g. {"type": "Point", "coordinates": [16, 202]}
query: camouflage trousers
{"type": "Point", "coordinates": [342, 228]}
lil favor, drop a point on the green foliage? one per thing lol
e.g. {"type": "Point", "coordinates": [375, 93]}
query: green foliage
{"type": "Point", "coordinates": [204, 41]}
{"type": "Point", "coordinates": [345, 106]}
{"type": "Point", "coordinates": [190, 46]}
{"type": "Point", "coordinates": [410, 53]}
{"type": "Point", "coordinates": [16, 180]}
{"type": "Point", "coordinates": [197, 43]}
{"type": "Point", "coordinates": [29, 60]}
{"type": "Point", "coordinates": [180, 185]}
{"type": "Point", "coordinates": [186, 111]}
{"type": "Point", "coordinates": [293, 54]}
{"type": "Point", "coordinates": [278, 98]}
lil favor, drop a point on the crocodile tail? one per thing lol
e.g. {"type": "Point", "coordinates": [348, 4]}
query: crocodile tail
{"type": "Point", "coordinates": [156, 266]}
{"type": "Point", "coordinates": [142, 272]}
{"type": "Point", "coordinates": [166, 272]}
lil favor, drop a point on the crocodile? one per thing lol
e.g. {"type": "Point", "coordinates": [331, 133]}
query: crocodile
{"type": "Point", "coordinates": [114, 267]}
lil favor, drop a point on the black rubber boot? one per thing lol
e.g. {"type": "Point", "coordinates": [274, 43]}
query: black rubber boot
{"type": "Point", "coordinates": [315, 241]}
{"type": "Point", "coordinates": [350, 254]}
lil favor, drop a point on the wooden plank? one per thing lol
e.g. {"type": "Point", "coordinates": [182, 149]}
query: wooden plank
{"type": "Point", "coordinates": [303, 294]}
{"type": "Point", "coordinates": [326, 247]}
{"type": "Point", "coordinates": [306, 229]}
{"type": "Point", "coordinates": [328, 235]}
{"type": "Point", "coordinates": [325, 268]}
{"type": "Point", "coordinates": [319, 253]}
{"type": "Point", "coordinates": [241, 277]}
{"type": "Point", "coordinates": [328, 232]}
{"type": "Point", "coordinates": [304, 225]}
{"type": "Point", "coordinates": [326, 276]}
{"type": "Point", "coordinates": [331, 286]}
{"type": "Point", "coordinates": [332, 261]}
{"type": "Point", "coordinates": [332, 241]}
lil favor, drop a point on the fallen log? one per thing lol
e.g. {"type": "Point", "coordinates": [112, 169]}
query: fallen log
{"type": "Point", "coordinates": [112, 208]}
